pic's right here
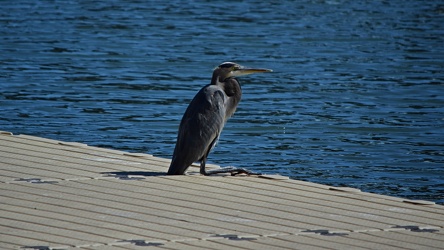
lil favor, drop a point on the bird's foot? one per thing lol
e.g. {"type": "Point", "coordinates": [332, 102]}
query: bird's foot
{"type": "Point", "coordinates": [232, 170]}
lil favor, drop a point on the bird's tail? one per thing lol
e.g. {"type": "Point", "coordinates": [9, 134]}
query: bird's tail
{"type": "Point", "coordinates": [176, 169]}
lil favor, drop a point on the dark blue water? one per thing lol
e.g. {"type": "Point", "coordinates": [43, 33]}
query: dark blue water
{"type": "Point", "coordinates": [356, 97]}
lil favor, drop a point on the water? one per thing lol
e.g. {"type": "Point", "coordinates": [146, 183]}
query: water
{"type": "Point", "coordinates": [355, 99]}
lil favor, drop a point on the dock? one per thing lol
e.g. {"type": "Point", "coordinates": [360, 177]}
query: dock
{"type": "Point", "coordinates": [68, 195]}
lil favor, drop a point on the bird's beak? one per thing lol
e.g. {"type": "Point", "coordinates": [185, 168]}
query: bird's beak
{"type": "Point", "coordinates": [246, 71]}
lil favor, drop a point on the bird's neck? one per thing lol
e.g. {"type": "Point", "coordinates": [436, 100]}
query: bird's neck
{"type": "Point", "coordinates": [232, 89]}
{"type": "Point", "coordinates": [215, 80]}
{"type": "Point", "coordinates": [231, 86]}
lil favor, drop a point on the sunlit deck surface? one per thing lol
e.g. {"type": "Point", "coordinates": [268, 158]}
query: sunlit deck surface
{"type": "Point", "coordinates": [61, 195]}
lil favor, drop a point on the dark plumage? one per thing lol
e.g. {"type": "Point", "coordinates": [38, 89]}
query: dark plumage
{"type": "Point", "coordinates": [205, 118]}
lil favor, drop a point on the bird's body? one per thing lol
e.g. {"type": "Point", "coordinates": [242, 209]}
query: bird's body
{"type": "Point", "coordinates": [206, 116]}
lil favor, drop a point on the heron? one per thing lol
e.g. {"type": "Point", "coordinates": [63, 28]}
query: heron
{"type": "Point", "coordinates": [205, 117]}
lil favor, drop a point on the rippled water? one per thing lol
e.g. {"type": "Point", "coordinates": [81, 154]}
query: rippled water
{"type": "Point", "coordinates": [355, 99]}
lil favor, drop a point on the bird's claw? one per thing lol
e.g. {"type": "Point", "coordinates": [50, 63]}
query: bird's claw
{"type": "Point", "coordinates": [237, 171]}
{"type": "Point", "coordinates": [232, 170]}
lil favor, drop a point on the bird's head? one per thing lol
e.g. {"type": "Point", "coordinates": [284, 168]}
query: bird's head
{"type": "Point", "coordinates": [231, 69]}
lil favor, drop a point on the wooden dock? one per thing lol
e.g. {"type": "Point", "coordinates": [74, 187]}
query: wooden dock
{"type": "Point", "coordinates": [63, 195]}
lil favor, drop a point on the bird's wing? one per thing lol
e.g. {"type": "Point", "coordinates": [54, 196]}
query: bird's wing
{"type": "Point", "coordinates": [200, 128]}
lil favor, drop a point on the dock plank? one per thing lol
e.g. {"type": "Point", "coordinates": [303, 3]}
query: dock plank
{"type": "Point", "coordinates": [64, 195]}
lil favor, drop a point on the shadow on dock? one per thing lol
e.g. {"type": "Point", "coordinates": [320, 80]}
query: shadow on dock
{"type": "Point", "coordinates": [132, 175]}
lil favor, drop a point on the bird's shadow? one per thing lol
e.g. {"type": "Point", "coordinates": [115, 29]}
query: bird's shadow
{"type": "Point", "coordinates": [132, 175]}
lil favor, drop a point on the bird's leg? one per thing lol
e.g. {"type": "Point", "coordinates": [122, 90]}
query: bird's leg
{"type": "Point", "coordinates": [202, 166]}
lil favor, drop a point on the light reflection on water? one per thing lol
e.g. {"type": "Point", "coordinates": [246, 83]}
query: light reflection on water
{"type": "Point", "coordinates": [355, 98]}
